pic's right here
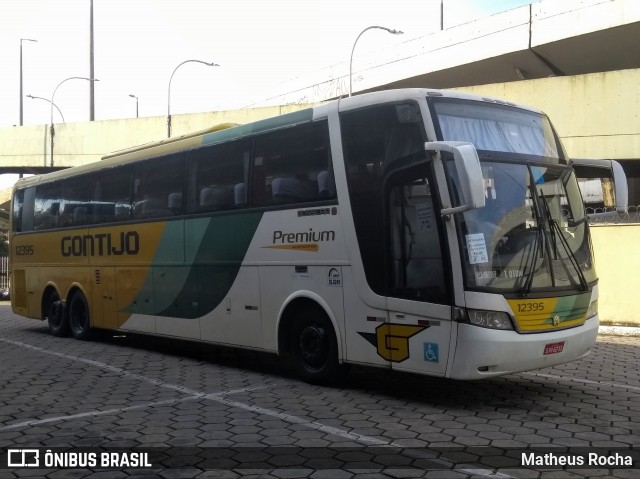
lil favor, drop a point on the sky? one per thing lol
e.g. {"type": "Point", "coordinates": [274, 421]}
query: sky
{"type": "Point", "coordinates": [259, 44]}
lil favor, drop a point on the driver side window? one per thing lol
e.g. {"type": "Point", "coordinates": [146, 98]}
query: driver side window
{"type": "Point", "coordinates": [417, 270]}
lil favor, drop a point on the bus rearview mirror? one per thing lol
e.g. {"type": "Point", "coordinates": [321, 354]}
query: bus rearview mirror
{"type": "Point", "coordinates": [469, 171]}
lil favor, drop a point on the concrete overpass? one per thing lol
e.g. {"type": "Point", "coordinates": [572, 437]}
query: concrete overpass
{"type": "Point", "coordinates": [546, 38]}
{"type": "Point", "coordinates": [578, 60]}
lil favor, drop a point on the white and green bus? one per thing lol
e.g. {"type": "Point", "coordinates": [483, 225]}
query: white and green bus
{"type": "Point", "coordinates": [416, 230]}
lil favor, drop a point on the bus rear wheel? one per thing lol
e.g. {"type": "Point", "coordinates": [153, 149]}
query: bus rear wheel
{"type": "Point", "coordinates": [54, 314]}
{"type": "Point", "coordinates": [79, 320]}
{"type": "Point", "coordinates": [314, 347]}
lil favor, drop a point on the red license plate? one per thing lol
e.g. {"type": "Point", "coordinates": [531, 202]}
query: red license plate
{"type": "Point", "coordinates": [554, 348]}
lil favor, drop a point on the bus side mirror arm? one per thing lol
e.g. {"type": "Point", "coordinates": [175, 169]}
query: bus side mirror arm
{"type": "Point", "coordinates": [469, 172]}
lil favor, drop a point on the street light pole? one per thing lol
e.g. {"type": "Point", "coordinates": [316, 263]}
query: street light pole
{"type": "Point", "coordinates": [169, 90]}
{"type": "Point", "coordinates": [133, 96]}
{"type": "Point", "coordinates": [92, 110]}
{"type": "Point", "coordinates": [47, 100]}
{"type": "Point", "coordinates": [53, 97]}
{"type": "Point", "coordinates": [390, 30]}
{"type": "Point", "coordinates": [21, 96]}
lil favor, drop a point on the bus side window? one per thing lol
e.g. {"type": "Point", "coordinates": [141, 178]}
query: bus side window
{"type": "Point", "coordinates": [417, 267]}
{"type": "Point", "coordinates": [18, 208]}
{"type": "Point", "coordinates": [214, 174]}
{"type": "Point", "coordinates": [47, 206]}
{"type": "Point", "coordinates": [374, 141]}
{"type": "Point", "coordinates": [111, 198]}
{"type": "Point", "coordinates": [158, 194]}
{"type": "Point", "coordinates": [76, 195]}
{"type": "Point", "coordinates": [293, 165]}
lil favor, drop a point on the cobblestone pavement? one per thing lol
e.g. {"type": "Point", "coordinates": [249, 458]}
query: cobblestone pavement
{"type": "Point", "coordinates": [204, 412]}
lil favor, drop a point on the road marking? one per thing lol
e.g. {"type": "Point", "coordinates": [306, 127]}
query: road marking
{"type": "Point", "coordinates": [220, 398]}
{"type": "Point", "coordinates": [71, 417]}
{"type": "Point", "coordinates": [217, 397]}
{"type": "Point", "coordinates": [106, 367]}
{"type": "Point", "coordinates": [585, 381]}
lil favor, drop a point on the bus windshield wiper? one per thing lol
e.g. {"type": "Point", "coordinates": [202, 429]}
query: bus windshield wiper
{"type": "Point", "coordinates": [556, 232]}
{"type": "Point", "coordinates": [540, 236]}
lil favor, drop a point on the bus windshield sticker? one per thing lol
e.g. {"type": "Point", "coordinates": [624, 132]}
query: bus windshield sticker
{"type": "Point", "coordinates": [424, 216]}
{"type": "Point", "coordinates": [538, 174]}
{"type": "Point", "coordinates": [477, 248]}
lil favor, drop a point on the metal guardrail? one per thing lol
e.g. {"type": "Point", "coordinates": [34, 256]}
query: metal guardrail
{"type": "Point", "coordinates": [612, 216]}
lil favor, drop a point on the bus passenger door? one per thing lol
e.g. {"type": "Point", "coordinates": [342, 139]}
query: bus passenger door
{"type": "Point", "coordinates": [419, 328]}
{"type": "Point", "coordinates": [176, 302]}
{"type": "Point", "coordinates": [135, 299]}
{"type": "Point", "coordinates": [105, 307]}
{"type": "Point", "coordinates": [233, 295]}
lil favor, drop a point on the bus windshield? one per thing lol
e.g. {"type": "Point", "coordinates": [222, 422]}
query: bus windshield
{"type": "Point", "coordinates": [531, 234]}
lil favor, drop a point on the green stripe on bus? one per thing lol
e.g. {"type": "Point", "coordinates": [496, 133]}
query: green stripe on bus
{"type": "Point", "coordinates": [572, 307]}
{"type": "Point", "coordinates": [288, 119]}
{"type": "Point", "coordinates": [197, 288]}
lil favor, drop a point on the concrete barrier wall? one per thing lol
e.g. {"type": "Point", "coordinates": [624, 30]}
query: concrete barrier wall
{"type": "Point", "coordinates": [24, 146]}
{"type": "Point", "coordinates": [85, 142]}
{"type": "Point", "coordinates": [596, 115]}
{"type": "Point", "coordinates": [618, 266]}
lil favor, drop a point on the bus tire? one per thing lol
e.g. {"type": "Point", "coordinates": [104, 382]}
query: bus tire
{"type": "Point", "coordinates": [55, 315]}
{"type": "Point", "coordinates": [79, 318]}
{"type": "Point", "coordinates": [314, 347]}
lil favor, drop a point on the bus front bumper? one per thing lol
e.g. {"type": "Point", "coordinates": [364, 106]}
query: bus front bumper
{"type": "Point", "coordinates": [482, 352]}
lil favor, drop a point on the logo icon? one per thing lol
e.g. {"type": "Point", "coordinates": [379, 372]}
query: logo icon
{"type": "Point", "coordinates": [23, 458]}
{"type": "Point", "coordinates": [392, 340]}
{"type": "Point", "coordinates": [334, 278]}
{"type": "Point", "coordinates": [556, 320]}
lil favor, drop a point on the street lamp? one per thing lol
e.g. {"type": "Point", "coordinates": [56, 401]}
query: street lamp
{"type": "Point", "coordinates": [52, 98]}
{"type": "Point", "coordinates": [169, 90]}
{"type": "Point", "coordinates": [47, 100]}
{"type": "Point", "coordinates": [133, 96]}
{"type": "Point", "coordinates": [60, 84]}
{"type": "Point", "coordinates": [21, 105]}
{"type": "Point", "coordinates": [390, 30]}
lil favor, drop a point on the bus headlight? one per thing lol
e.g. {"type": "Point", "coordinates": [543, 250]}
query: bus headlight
{"type": "Point", "coordinates": [490, 319]}
{"type": "Point", "coordinates": [593, 309]}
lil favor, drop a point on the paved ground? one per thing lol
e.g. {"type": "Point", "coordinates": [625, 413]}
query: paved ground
{"type": "Point", "coordinates": [239, 414]}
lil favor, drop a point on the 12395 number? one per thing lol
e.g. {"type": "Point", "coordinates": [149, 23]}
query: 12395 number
{"type": "Point", "coordinates": [532, 307]}
{"type": "Point", "coordinates": [24, 250]}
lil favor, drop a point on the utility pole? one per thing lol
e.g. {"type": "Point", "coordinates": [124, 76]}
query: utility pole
{"type": "Point", "coordinates": [21, 95]}
{"type": "Point", "coordinates": [92, 113]}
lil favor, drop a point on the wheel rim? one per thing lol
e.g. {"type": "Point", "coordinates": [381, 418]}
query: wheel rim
{"type": "Point", "coordinates": [313, 346]}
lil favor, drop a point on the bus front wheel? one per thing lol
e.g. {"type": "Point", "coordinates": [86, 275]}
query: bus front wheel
{"type": "Point", "coordinates": [314, 347]}
{"type": "Point", "coordinates": [79, 320]}
{"type": "Point", "coordinates": [54, 313]}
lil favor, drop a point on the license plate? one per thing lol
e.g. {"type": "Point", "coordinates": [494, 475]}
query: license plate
{"type": "Point", "coordinates": [554, 348]}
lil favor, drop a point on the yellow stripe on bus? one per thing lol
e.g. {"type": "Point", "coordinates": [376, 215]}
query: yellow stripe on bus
{"type": "Point", "coordinates": [544, 314]}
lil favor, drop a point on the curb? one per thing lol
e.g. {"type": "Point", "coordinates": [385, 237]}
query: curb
{"type": "Point", "coordinates": [619, 331]}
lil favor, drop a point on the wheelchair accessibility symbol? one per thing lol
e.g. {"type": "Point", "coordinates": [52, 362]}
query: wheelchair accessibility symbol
{"type": "Point", "coordinates": [431, 352]}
